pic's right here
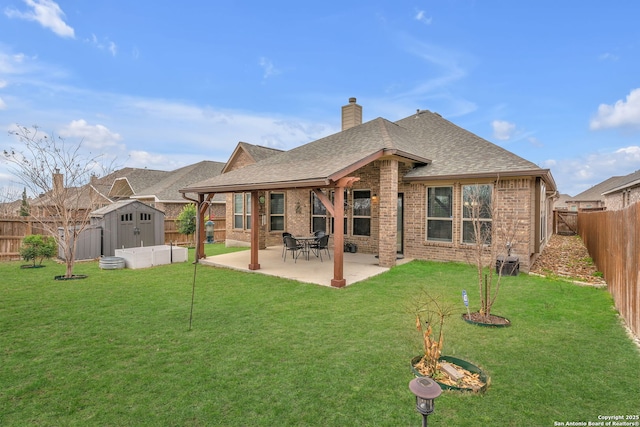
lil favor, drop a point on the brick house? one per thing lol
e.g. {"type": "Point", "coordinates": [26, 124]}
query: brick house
{"type": "Point", "coordinates": [388, 187]}
{"type": "Point", "coordinates": [626, 192]}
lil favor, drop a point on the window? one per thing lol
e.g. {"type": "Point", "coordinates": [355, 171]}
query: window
{"type": "Point", "coordinates": [247, 211]}
{"type": "Point", "coordinates": [543, 212]}
{"type": "Point", "coordinates": [361, 212]}
{"type": "Point", "coordinates": [242, 211]}
{"type": "Point", "coordinates": [440, 214]}
{"type": "Point", "coordinates": [318, 214]}
{"type": "Point", "coordinates": [276, 211]}
{"type": "Point", "coordinates": [476, 213]}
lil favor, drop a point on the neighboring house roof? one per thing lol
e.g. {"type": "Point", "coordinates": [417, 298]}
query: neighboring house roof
{"type": "Point", "coordinates": [561, 201]}
{"type": "Point", "coordinates": [166, 189]}
{"type": "Point", "coordinates": [631, 180]}
{"type": "Point", "coordinates": [127, 182]}
{"type": "Point", "coordinates": [437, 148]}
{"type": "Point", "coordinates": [594, 194]}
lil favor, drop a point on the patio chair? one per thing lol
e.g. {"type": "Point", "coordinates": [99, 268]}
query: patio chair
{"type": "Point", "coordinates": [284, 244]}
{"type": "Point", "coordinates": [293, 246]}
{"type": "Point", "coordinates": [319, 233]}
{"type": "Point", "coordinates": [322, 244]}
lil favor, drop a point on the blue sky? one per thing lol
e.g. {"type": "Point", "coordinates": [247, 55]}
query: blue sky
{"type": "Point", "coordinates": [164, 84]}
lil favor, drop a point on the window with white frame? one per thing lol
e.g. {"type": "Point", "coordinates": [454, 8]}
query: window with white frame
{"type": "Point", "coordinates": [476, 213]}
{"type": "Point", "coordinates": [242, 211]}
{"type": "Point", "coordinates": [440, 214]}
{"type": "Point", "coordinates": [361, 213]}
{"type": "Point", "coordinates": [276, 211]}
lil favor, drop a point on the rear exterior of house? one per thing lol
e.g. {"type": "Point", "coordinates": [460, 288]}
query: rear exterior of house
{"type": "Point", "coordinates": [406, 206]}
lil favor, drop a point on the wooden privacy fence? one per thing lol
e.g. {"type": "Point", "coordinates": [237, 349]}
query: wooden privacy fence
{"type": "Point", "coordinates": [613, 241]}
{"type": "Point", "coordinates": [172, 235]}
{"type": "Point", "coordinates": [14, 229]}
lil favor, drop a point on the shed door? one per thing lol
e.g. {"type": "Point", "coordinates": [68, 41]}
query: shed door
{"type": "Point", "coordinates": [136, 229]}
{"type": "Point", "coordinates": [126, 231]}
{"type": "Point", "coordinates": [146, 234]}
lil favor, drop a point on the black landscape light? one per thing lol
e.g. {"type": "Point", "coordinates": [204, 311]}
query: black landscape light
{"type": "Point", "coordinates": [426, 390]}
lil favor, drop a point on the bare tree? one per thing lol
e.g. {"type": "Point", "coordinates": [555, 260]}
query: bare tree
{"type": "Point", "coordinates": [58, 174]}
{"type": "Point", "coordinates": [492, 233]}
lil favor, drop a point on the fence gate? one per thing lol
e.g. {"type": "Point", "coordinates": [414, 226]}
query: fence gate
{"type": "Point", "coordinates": [565, 222]}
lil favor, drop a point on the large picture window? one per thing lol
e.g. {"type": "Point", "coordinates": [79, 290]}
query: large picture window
{"type": "Point", "coordinates": [276, 211]}
{"type": "Point", "coordinates": [361, 212]}
{"type": "Point", "coordinates": [476, 213]}
{"type": "Point", "coordinates": [440, 214]}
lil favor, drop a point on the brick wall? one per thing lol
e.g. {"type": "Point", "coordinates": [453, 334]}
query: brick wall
{"type": "Point", "coordinates": [515, 200]}
{"type": "Point", "coordinates": [514, 209]}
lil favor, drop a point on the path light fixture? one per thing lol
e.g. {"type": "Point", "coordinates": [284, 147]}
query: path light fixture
{"type": "Point", "coordinates": [425, 390]}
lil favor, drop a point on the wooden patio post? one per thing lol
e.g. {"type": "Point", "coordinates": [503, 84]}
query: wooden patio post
{"type": "Point", "coordinates": [255, 230]}
{"type": "Point", "coordinates": [200, 227]}
{"type": "Point", "coordinates": [338, 280]}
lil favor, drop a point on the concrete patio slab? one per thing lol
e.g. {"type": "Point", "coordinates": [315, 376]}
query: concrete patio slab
{"type": "Point", "coordinates": [357, 267]}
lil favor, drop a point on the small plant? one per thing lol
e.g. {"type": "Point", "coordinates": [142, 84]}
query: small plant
{"type": "Point", "coordinates": [431, 312]}
{"type": "Point", "coordinates": [36, 247]}
{"type": "Point", "coordinates": [598, 274]}
{"type": "Point", "coordinates": [186, 221]}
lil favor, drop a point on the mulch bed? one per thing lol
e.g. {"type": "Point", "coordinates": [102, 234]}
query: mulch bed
{"type": "Point", "coordinates": [489, 320]}
{"type": "Point", "coordinates": [566, 256]}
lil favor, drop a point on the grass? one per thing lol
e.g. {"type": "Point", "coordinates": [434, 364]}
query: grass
{"type": "Point", "coordinates": [115, 349]}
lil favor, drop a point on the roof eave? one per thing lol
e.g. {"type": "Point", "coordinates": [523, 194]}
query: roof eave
{"type": "Point", "coordinates": [543, 173]}
{"type": "Point", "coordinates": [236, 188]}
{"type": "Point", "coordinates": [621, 187]}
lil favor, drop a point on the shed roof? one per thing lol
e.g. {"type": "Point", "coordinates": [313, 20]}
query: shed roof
{"type": "Point", "coordinates": [122, 204]}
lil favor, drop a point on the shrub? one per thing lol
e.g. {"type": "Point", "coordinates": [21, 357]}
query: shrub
{"type": "Point", "coordinates": [36, 247]}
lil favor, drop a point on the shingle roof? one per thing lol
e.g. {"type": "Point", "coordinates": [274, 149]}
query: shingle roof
{"type": "Point", "coordinates": [438, 148]}
{"type": "Point", "coordinates": [138, 179]}
{"type": "Point", "coordinates": [456, 151]}
{"type": "Point", "coordinates": [167, 188]}
{"type": "Point", "coordinates": [595, 193]}
{"type": "Point", "coordinates": [259, 152]}
{"type": "Point", "coordinates": [626, 181]}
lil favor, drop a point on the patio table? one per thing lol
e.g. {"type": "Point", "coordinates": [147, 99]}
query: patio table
{"type": "Point", "coordinates": [306, 240]}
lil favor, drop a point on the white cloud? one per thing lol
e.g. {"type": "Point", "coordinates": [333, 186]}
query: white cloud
{"type": "Point", "coordinates": [624, 113]}
{"type": "Point", "coordinates": [94, 137]}
{"type": "Point", "coordinates": [3, 105]}
{"type": "Point", "coordinates": [47, 13]}
{"type": "Point", "coordinates": [269, 69]}
{"type": "Point", "coordinates": [103, 44]}
{"type": "Point", "coordinates": [503, 130]}
{"type": "Point", "coordinates": [422, 17]}
{"type": "Point", "coordinates": [575, 175]}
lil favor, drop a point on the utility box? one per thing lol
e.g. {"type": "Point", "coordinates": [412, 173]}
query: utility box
{"type": "Point", "coordinates": [510, 266]}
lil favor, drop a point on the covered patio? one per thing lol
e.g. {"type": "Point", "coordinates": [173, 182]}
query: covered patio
{"type": "Point", "coordinates": [357, 266]}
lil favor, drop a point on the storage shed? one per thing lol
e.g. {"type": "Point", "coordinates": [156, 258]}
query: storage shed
{"type": "Point", "coordinates": [88, 246]}
{"type": "Point", "coordinates": [128, 224]}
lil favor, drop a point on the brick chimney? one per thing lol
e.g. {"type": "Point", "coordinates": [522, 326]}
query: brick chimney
{"type": "Point", "coordinates": [58, 182]}
{"type": "Point", "coordinates": [351, 114]}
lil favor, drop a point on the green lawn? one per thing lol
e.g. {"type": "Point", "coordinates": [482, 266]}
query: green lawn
{"type": "Point", "coordinates": [115, 349]}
